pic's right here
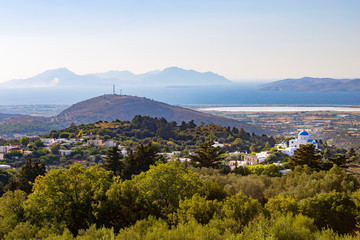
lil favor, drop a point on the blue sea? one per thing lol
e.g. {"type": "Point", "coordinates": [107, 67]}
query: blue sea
{"type": "Point", "coordinates": [233, 94]}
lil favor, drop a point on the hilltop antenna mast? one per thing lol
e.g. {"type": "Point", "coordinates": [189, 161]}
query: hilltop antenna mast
{"type": "Point", "coordinates": [114, 89]}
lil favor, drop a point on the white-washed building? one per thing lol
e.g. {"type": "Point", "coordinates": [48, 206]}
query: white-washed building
{"type": "Point", "coordinates": [294, 144]}
{"type": "Point", "coordinates": [217, 144]}
{"type": "Point", "coordinates": [48, 141]}
{"type": "Point", "coordinates": [303, 139]}
{"type": "Point", "coordinates": [110, 143]}
{"type": "Point", "coordinates": [262, 156]}
{"type": "Point", "coordinates": [65, 152]}
{"type": "Point", "coordinates": [95, 143]}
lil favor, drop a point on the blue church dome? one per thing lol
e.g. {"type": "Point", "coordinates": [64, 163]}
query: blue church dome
{"type": "Point", "coordinates": [302, 133]}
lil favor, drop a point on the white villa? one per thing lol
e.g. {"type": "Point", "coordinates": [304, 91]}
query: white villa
{"type": "Point", "coordinates": [217, 144]}
{"type": "Point", "coordinates": [259, 158]}
{"type": "Point", "coordinates": [294, 144]}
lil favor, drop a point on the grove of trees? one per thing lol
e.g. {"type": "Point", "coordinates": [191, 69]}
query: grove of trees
{"type": "Point", "coordinates": [173, 201]}
{"type": "Point", "coordinates": [142, 196]}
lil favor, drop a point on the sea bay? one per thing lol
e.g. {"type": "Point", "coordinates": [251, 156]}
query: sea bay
{"type": "Point", "coordinates": [229, 94]}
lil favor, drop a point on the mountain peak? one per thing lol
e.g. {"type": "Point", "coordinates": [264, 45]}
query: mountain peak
{"type": "Point", "coordinates": [58, 71]}
{"type": "Point", "coordinates": [170, 69]}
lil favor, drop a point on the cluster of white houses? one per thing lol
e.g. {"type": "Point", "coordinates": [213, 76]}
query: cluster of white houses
{"type": "Point", "coordinates": [92, 141]}
{"type": "Point", "coordinates": [8, 148]}
{"type": "Point", "coordinates": [48, 142]}
{"type": "Point", "coordinates": [294, 144]}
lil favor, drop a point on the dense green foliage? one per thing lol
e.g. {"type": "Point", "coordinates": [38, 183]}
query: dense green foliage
{"type": "Point", "coordinates": [270, 170]}
{"type": "Point", "coordinates": [140, 160]}
{"type": "Point", "coordinates": [207, 156]}
{"type": "Point", "coordinates": [70, 196]}
{"type": "Point", "coordinates": [306, 155]}
{"type": "Point", "coordinates": [5, 176]}
{"type": "Point", "coordinates": [113, 160]}
{"type": "Point", "coordinates": [333, 210]}
{"type": "Point", "coordinates": [171, 201]}
{"type": "Point", "coordinates": [27, 175]}
{"type": "Point", "coordinates": [142, 196]}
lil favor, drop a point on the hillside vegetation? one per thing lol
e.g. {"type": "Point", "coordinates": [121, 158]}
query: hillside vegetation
{"type": "Point", "coordinates": [142, 196]}
{"type": "Point", "coordinates": [170, 135]}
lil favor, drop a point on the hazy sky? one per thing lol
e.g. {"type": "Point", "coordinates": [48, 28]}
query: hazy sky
{"type": "Point", "coordinates": [239, 39]}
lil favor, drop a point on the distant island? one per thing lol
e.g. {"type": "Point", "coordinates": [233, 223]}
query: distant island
{"type": "Point", "coordinates": [62, 77]}
{"type": "Point", "coordinates": [309, 84]}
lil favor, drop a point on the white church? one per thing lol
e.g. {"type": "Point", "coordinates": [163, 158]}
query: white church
{"type": "Point", "coordinates": [294, 144]}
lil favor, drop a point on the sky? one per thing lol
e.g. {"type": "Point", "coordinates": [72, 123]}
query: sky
{"type": "Point", "coordinates": [242, 40]}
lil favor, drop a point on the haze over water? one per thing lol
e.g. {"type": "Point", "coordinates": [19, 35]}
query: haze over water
{"type": "Point", "coordinates": [234, 94]}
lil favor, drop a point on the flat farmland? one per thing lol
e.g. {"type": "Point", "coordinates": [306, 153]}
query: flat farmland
{"type": "Point", "coordinates": [337, 125]}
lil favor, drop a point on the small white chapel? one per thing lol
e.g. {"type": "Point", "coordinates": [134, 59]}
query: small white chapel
{"type": "Point", "coordinates": [294, 144]}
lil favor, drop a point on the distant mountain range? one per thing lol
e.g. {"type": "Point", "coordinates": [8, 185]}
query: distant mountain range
{"type": "Point", "coordinates": [111, 107]}
{"type": "Point", "coordinates": [309, 84]}
{"type": "Point", "coordinates": [170, 77]}
{"type": "Point", "coordinates": [63, 77]}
